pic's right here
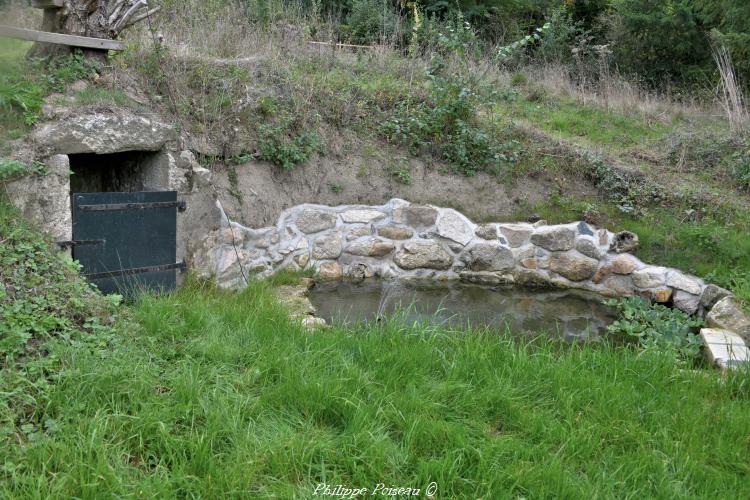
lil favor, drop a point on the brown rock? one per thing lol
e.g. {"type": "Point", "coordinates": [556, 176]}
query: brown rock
{"type": "Point", "coordinates": [371, 247]}
{"type": "Point", "coordinates": [395, 233]}
{"type": "Point", "coordinates": [573, 265]}
{"type": "Point", "coordinates": [330, 271]}
{"type": "Point", "coordinates": [624, 264]}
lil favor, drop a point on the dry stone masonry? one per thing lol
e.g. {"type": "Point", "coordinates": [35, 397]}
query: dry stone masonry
{"type": "Point", "coordinates": [401, 240]}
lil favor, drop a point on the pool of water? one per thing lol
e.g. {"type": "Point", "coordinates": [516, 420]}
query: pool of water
{"type": "Point", "coordinates": [569, 314]}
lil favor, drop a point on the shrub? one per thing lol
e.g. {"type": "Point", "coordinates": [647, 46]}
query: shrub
{"type": "Point", "coordinates": [370, 21]}
{"type": "Point", "coordinates": [283, 146]}
{"type": "Point", "coordinates": [446, 123]}
{"type": "Point", "coordinates": [10, 169]}
{"type": "Point", "coordinates": [657, 327]}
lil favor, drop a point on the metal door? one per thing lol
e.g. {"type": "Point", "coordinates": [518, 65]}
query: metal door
{"type": "Point", "coordinates": [127, 242]}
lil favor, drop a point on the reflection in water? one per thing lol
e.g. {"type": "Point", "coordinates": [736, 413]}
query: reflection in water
{"type": "Point", "coordinates": [568, 314]}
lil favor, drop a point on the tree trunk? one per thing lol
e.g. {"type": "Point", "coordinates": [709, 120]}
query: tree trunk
{"type": "Point", "coordinates": [91, 18]}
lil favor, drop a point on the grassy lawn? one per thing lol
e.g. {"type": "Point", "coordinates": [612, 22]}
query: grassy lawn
{"type": "Point", "coordinates": [586, 124]}
{"type": "Point", "coordinates": [209, 394]}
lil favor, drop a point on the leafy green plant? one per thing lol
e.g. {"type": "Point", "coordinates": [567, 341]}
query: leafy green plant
{"type": "Point", "coordinates": [741, 169]}
{"type": "Point", "coordinates": [10, 169]}
{"type": "Point", "coordinates": [447, 122]}
{"type": "Point", "coordinates": [657, 327]}
{"type": "Point", "coordinates": [283, 146]}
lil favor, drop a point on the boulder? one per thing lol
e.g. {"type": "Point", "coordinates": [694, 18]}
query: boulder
{"type": "Point", "coordinates": [554, 238]}
{"type": "Point", "coordinates": [727, 315]}
{"type": "Point", "coordinates": [328, 246]}
{"type": "Point", "coordinates": [573, 265]}
{"type": "Point", "coordinates": [489, 257]}
{"type": "Point", "coordinates": [422, 255]}
{"type": "Point", "coordinates": [370, 247]}
{"type": "Point", "coordinates": [312, 220]}
{"type": "Point", "coordinates": [395, 233]}
{"type": "Point", "coordinates": [361, 216]}
{"type": "Point", "coordinates": [105, 133]}
{"type": "Point", "coordinates": [455, 227]}
{"type": "Point", "coordinates": [516, 234]}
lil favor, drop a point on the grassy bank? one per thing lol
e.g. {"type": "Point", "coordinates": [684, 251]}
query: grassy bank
{"type": "Point", "coordinates": [209, 394]}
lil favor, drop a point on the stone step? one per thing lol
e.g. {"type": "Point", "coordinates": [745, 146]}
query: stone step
{"type": "Point", "coordinates": [724, 348]}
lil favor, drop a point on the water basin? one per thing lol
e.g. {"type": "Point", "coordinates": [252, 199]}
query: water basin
{"type": "Point", "coordinates": [567, 314]}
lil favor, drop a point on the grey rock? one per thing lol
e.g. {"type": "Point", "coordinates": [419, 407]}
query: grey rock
{"type": "Point", "coordinates": [455, 227]}
{"type": "Point", "coordinates": [680, 281]}
{"type": "Point", "coordinates": [486, 231]}
{"type": "Point", "coordinates": [712, 294]}
{"type": "Point", "coordinates": [517, 234]}
{"type": "Point", "coordinates": [584, 229]}
{"type": "Point", "coordinates": [554, 238]}
{"type": "Point", "coordinates": [686, 302]}
{"type": "Point", "coordinates": [588, 248]}
{"type": "Point", "coordinates": [624, 241]}
{"type": "Point", "coordinates": [105, 133]}
{"type": "Point", "coordinates": [311, 220]}
{"type": "Point", "coordinates": [489, 257]}
{"type": "Point", "coordinates": [362, 216]}
{"type": "Point", "coordinates": [418, 255]}
{"type": "Point", "coordinates": [650, 277]}
{"type": "Point", "coordinates": [358, 232]}
{"type": "Point", "coordinates": [416, 216]}
{"type": "Point", "coordinates": [328, 246]}
{"type": "Point", "coordinates": [573, 265]}
{"type": "Point", "coordinates": [727, 315]}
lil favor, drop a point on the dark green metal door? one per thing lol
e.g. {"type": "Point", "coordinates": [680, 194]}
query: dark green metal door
{"type": "Point", "coordinates": [126, 242]}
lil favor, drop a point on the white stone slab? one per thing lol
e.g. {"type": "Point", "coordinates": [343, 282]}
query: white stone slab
{"type": "Point", "coordinates": [725, 349]}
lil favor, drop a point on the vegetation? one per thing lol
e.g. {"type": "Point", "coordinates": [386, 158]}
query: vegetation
{"type": "Point", "coordinates": [205, 393]}
{"type": "Point", "coordinates": [657, 327]}
{"type": "Point", "coordinates": [44, 307]}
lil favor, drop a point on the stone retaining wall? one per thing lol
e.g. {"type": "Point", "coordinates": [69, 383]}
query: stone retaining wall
{"type": "Point", "coordinates": [402, 240]}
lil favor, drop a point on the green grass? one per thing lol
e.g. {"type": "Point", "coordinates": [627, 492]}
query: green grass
{"type": "Point", "coordinates": [590, 125]}
{"type": "Point", "coordinates": [212, 394]}
{"type": "Point", "coordinates": [95, 95]}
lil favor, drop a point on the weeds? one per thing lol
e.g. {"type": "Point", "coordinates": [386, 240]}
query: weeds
{"type": "Point", "coordinates": [656, 327]}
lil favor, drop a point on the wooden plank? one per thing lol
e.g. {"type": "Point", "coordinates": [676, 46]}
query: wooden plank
{"type": "Point", "coordinates": [47, 4]}
{"type": "Point", "coordinates": [61, 39]}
